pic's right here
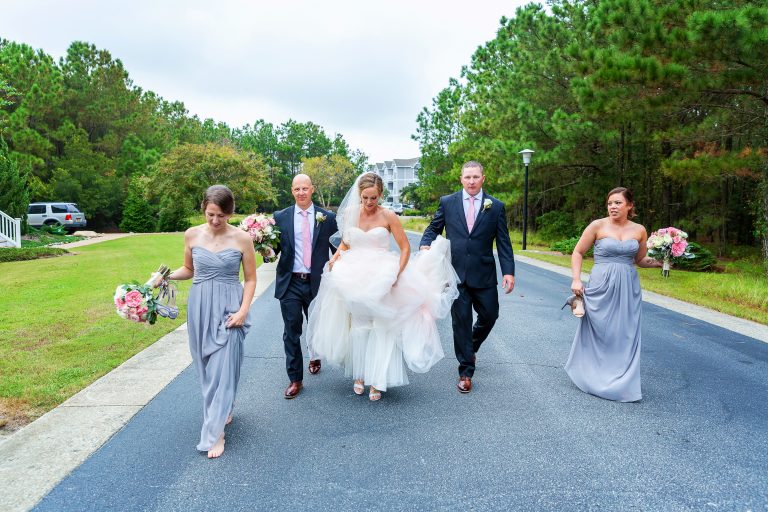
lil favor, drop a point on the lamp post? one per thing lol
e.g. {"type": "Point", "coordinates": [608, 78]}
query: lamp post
{"type": "Point", "coordinates": [526, 160]}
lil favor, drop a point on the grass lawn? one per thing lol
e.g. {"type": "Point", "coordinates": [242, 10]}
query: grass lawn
{"type": "Point", "coordinates": [60, 331]}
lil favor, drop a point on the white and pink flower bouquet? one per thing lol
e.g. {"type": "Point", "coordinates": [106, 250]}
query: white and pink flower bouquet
{"type": "Point", "coordinates": [668, 244]}
{"type": "Point", "coordinates": [264, 233]}
{"type": "Point", "coordinates": [137, 302]}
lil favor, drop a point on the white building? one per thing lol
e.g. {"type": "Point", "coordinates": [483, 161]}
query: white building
{"type": "Point", "coordinates": [396, 174]}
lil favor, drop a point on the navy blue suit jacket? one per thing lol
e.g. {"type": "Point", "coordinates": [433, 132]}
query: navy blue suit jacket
{"type": "Point", "coordinates": [472, 253]}
{"type": "Point", "coordinates": [320, 248]}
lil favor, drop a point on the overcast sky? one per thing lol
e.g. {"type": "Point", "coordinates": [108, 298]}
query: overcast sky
{"type": "Point", "coordinates": [364, 69]}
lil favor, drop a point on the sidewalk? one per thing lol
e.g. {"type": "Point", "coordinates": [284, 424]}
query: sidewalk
{"type": "Point", "coordinates": [99, 237]}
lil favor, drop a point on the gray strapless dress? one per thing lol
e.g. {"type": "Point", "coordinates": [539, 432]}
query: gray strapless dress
{"type": "Point", "coordinates": [605, 355]}
{"type": "Point", "coordinates": [216, 350]}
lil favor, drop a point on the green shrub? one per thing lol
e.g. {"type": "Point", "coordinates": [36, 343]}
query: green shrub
{"type": "Point", "coordinates": [567, 246]}
{"type": "Point", "coordinates": [704, 260]}
{"type": "Point", "coordinates": [173, 217]}
{"type": "Point", "coordinates": [556, 225]}
{"type": "Point", "coordinates": [31, 253]}
{"type": "Point", "coordinates": [411, 212]}
{"type": "Point", "coordinates": [53, 229]}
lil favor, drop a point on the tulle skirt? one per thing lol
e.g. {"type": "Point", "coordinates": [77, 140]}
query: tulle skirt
{"type": "Point", "coordinates": [373, 323]}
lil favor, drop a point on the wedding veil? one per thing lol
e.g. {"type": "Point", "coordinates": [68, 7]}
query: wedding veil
{"type": "Point", "coordinates": [348, 215]}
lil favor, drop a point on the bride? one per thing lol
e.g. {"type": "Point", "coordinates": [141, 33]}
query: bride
{"type": "Point", "coordinates": [375, 311]}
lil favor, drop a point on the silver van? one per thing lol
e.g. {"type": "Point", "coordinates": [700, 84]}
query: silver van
{"type": "Point", "coordinates": [52, 214]}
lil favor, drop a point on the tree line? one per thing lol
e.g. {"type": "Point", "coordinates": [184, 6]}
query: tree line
{"type": "Point", "coordinates": [79, 130]}
{"type": "Point", "coordinates": [666, 97]}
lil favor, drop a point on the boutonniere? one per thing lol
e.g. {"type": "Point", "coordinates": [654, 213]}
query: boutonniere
{"type": "Point", "coordinates": [487, 204]}
{"type": "Point", "coordinates": [319, 217]}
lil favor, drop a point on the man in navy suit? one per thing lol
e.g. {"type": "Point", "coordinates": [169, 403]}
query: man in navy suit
{"type": "Point", "coordinates": [305, 230]}
{"type": "Point", "coordinates": [472, 221]}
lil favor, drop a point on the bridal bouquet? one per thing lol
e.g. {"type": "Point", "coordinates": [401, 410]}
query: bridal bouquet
{"type": "Point", "coordinates": [136, 302]}
{"type": "Point", "coordinates": [264, 233]}
{"type": "Point", "coordinates": [667, 244]}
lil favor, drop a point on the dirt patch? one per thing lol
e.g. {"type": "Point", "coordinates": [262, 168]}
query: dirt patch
{"type": "Point", "coordinates": [13, 415]}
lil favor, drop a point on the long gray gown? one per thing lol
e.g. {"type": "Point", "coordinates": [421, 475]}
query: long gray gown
{"type": "Point", "coordinates": [605, 355]}
{"type": "Point", "coordinates": [216, 350]}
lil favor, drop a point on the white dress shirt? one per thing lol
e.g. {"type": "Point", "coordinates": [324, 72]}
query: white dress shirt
{"type": "Point", "coordinates": [298, 237]}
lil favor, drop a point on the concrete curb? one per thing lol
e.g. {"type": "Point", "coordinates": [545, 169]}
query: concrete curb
{"type": "Point", "coordinates": [37, 457]}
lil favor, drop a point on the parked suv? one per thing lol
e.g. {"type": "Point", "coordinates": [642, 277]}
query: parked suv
{"type": "Point", "coordinates": [397, 208]}
{"type": "Point", "coordinates": [52, 214]}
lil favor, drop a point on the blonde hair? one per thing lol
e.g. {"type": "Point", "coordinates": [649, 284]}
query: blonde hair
{"type": "Point", "coordinates": [370, 179]}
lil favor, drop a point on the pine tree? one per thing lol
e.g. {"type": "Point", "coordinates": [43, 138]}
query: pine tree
{"type": "Point", "coordinates": [138, 215]}
{"type": "Point", "coordinates": [14, 194]}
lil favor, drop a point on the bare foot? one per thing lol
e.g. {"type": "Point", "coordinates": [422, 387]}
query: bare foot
{"type": "Point", "coordinates": [229, 420]}
{"type": "Point", "coordinates": [217, 448]}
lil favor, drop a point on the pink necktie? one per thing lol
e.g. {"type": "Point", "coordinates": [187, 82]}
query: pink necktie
{"type": "Point", "coordinates": [306, 241]}
{"type": "Point", "coordinates": [471, 214]}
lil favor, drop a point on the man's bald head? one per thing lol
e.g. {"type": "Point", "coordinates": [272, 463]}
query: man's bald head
{"type": "Point", "coordinates": [302, 190]}
{"type": "Point", "coordinates": [301, 179]}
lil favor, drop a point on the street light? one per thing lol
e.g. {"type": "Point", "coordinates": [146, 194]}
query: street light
{"type": "Point", "coordinates": [526, 160]}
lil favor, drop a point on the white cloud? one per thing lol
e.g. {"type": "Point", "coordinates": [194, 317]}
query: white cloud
{"type": "Point", "coordinates": [363, 69]}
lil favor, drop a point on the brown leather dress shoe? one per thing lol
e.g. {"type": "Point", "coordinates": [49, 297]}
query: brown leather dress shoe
{"type": "Point", "coordinates": [464, 385]}
{"type": "Point", "coordinates": [314, 366]}
{"type": "Point", "coordinates": [293, 390]}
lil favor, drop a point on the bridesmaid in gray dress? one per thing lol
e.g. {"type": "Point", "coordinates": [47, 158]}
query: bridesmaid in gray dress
{"type": "Point", "coordinates": [605, 355]}
{"type": "Point", "coordinates": [217, 311]}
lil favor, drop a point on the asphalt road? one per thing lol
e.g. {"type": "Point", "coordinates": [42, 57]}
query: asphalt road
{"type": "Point", "coordinates": [524, 439]}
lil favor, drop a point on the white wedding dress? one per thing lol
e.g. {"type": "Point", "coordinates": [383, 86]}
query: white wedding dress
{"type": "Point", "coordinates": [360, 321]}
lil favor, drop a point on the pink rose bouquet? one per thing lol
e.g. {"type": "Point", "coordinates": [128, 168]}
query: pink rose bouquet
{"type": "Point", "coordinates": [264, 233]}
{"type": "Point", "coordinates": [666, 245]}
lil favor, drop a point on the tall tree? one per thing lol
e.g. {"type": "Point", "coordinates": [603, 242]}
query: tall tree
{"type": "Point", "coordinates": [331, 176]}
{"type": "Point", "coordinates": [14, 195]}
{"type": "Point", "coordinates": [183, 174]}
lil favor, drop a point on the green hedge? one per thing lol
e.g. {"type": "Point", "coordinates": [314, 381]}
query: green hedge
{"type": "Point", "coordinates": [567, 246]}
{"type": "Point", "coordinates": [29, 253]}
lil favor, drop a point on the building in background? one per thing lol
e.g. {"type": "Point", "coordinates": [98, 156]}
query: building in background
{"type": "Point", "coordinates": [396, 174]}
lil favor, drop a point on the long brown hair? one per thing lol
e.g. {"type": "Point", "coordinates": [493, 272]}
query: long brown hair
{"type": "Point", "coordinates": [627, 195]}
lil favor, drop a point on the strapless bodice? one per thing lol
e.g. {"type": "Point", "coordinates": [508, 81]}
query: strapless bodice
{"type": "Point", "coordinates": [222, 266]}
{"type": "Point", "coordinates": [375, 238]}
{"type": "Point", "coordinates": [613, 250]}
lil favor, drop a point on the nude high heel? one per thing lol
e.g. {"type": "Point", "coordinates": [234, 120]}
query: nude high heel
{"type": "Point", "coordinates": [577, 305]}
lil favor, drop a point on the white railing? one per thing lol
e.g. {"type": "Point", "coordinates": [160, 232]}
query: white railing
{"type": "Point", "coordinates": [10, 230]}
